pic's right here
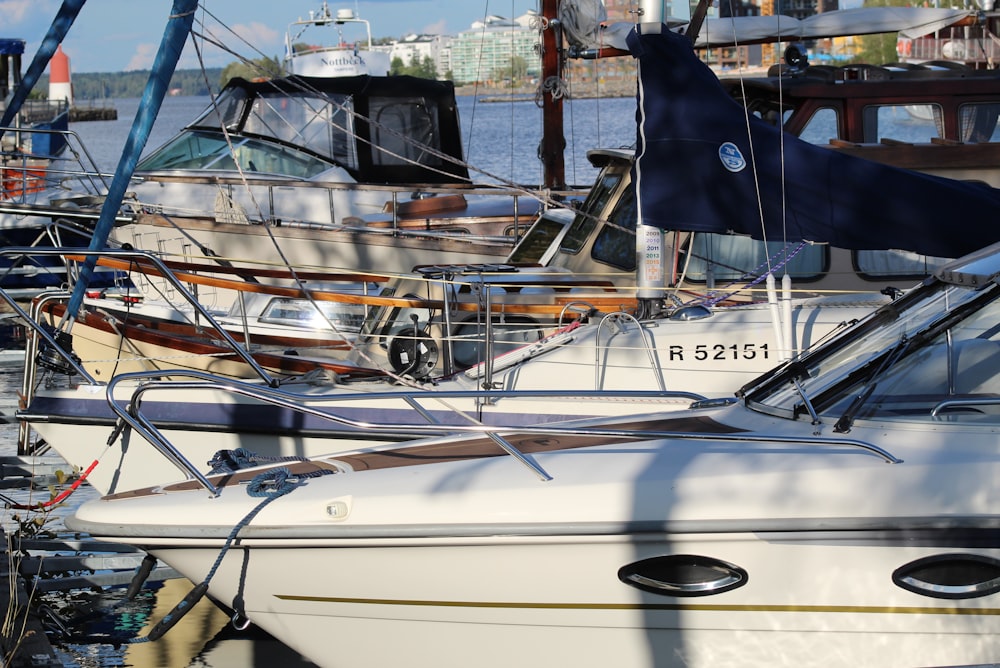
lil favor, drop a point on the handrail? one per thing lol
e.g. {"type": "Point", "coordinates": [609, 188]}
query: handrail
{"type": "Point", "coordinates": [239, 350]}
{"type": "Point", "coordinates": [615, 319]}
{"type": "Point", "coordinates": [131, 414]}
{"type": "Point", "coordinates": [954, 403]}
{"type": "Point", "coordinates": [179, 272]}
{"type": "Point", "coordinates": [91, 174]}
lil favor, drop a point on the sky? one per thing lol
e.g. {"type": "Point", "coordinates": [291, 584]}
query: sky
{"type": "Point", "coordinates": [123, 35]}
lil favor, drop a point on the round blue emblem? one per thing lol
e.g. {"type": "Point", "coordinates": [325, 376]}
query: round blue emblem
{"type": "Point", "coordinates": [731, 157]}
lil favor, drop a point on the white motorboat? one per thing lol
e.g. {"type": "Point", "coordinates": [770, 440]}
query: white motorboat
{"type": "Point", "coordinates": [842, 512]}
{"type": "Point", "coordinates": [351, 53]}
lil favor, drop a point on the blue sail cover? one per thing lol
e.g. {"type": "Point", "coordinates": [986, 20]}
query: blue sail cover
{"type": "Point", "coordinates": [700, 164]}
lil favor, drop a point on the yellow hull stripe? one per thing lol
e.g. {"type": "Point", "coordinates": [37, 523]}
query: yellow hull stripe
{"type": "Point", "coordinates": [851, 609]}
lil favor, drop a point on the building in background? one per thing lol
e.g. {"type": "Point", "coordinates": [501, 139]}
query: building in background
{"type": "Point", "coordinates": [487, 50]}
{"type": "Point", "coordinates": [413, 49]}
{"type": "Point", "coordinates": [488, 53]}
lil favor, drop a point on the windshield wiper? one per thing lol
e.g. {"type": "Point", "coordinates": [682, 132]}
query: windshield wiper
{"type": "Point", "coordinates": [843, 425]}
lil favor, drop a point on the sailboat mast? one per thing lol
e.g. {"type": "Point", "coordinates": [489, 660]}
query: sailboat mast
{"type": "Point", "coordinates": [553, 143]}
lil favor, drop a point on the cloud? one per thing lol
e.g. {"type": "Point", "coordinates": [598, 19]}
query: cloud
{"type": "Point", "coordinates": [439, 28]}
{"type": "Point", "coordinates": [142, 58]}
{"type": "Point", "coordinates": [258, 36]}
{"type": "Point", "coordinates": [15, 11]}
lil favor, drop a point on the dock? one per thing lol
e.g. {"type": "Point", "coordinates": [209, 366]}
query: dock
{"type": "Point", "coordinates": [92, 111]}
{"type": "Point", "coordinates": [23, 640]}
{"type": "Point", "coordinates": [36, 565]}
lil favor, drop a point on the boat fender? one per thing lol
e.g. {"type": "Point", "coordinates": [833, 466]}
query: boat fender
{"type": "Point", "coordinates": [139, 579]}
{"type": "Point", "coordinates": [413, 351]}
{"type": "Point", "coordinates": [269, 485]}
{"type": "Point", "coordinates": [179, 611]}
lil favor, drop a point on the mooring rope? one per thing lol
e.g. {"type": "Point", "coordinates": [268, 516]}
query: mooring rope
{"type": "Point", "coordinates": [269, 486]}
{"type": "Point", "coordinates": [230, 461]}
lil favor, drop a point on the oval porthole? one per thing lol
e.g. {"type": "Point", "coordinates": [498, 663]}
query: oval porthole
{"type": "Point", "coordinates": [950, 576]}
{"type": "Point", "coordinates": [683, 575]}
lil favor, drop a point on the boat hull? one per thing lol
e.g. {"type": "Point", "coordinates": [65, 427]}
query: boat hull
{"type": "Point", "coordinates": [808, 547]}
{"type": "Point", "coordinates": [814, 599]}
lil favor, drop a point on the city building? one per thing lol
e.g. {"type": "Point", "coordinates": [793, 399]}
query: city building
{"type": "Point", "coordinates": [483, 52]}
{"type": "Point", "coordinates": [413, 49]}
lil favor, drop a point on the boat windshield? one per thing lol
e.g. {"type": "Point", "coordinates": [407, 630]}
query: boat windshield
{"type": "Point", "coordinates": [939, 344]}
{"type": "Point", "coordinates": [298, 134]}
{"type": "Point", "coordinates": [197, 149]}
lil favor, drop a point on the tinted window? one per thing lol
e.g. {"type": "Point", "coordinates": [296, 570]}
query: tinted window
{"type": "Point", "coordinates": [615, 243]}
{"type": "Point", "coordinates": [585, 221]}
{"type": "Point", "coordinates": [913, 123]}
{"type": "Point", "coordinates": [728, 257]}
{"type": "Point", "coordinates": [822, 127]}
{"type": "Point", "coordinates": [979, 122]}
{"type": "Point", "coordinates": [895, 264]}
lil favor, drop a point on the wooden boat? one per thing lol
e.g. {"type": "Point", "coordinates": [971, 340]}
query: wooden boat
{"type": "Point", "coordinates": [699, 538]}
{"type": "Point", "coordinates": [930, 118]}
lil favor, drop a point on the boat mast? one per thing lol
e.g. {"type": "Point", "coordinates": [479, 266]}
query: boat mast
{"type": "Point", "coordinates": [175, 35]}
{"type": "Point", "coordinates": [553, 143]}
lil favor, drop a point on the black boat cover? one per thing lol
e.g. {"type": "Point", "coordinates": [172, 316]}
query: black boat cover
{"type": "Point", "coordinates": [703, 165]}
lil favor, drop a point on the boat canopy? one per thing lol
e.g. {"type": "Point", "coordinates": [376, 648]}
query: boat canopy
{"type": "Point", "coordinates": [704, 164]}
{"type": "Point", "coordinates": [392, 130]}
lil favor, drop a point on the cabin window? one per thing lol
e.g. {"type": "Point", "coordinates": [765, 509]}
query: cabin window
{"type": "Point", "coordinates": [978, 122]}
{"type": "Point", "coordinates": [585, 221]}
{"type": "Point", "coordinates": [896, 374]}
{"type": "Point", "coordinates": [730, 257]}
{"type": "Point", "coordinates": [960, 362]}
{"type": "Point", "coordinates": [821, 127]}
{"type": "Point", "coordinates": [404, 129]}
{"type": "Point", "coordinates": [534, 247]}
{"type": "Point", "coordinates": [895, 264]}
{"type": "Point", "coordinates": [196, 149]}
{"type": "Point", "coordinates": [615, 243]}
{"type": "Point", "coordinates": [226, 112]}
{"type": "Point", "coordinates": [316, 124]}
{"type": "Point", "coordinates": [346, 318]}
{"type": "Point", "coordinates": [911, 123]}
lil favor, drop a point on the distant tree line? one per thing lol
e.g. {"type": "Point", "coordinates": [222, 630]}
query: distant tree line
{"type": "Point", "coordinates": [102, 85]}
{"type": "Point", "coordinates": [425, 69]}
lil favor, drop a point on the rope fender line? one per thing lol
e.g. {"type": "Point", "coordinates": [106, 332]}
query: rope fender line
{"type": "Point", "coordinates": [269, 486]}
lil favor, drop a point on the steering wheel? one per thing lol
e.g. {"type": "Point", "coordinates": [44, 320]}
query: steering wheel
{"type": "Point", "coordinates": [413, 351]}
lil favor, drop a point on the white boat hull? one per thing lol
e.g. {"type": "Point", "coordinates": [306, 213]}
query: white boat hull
{"type": "Point", "coordinates": [542, 603]}
{"type": "Point", "coordinates": [450, 559]}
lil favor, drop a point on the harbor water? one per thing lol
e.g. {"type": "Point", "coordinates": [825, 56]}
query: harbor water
{"type": "Point", "coordinates": [500, 138]}
{"type": "Point", "coordinates": [501, 142]}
